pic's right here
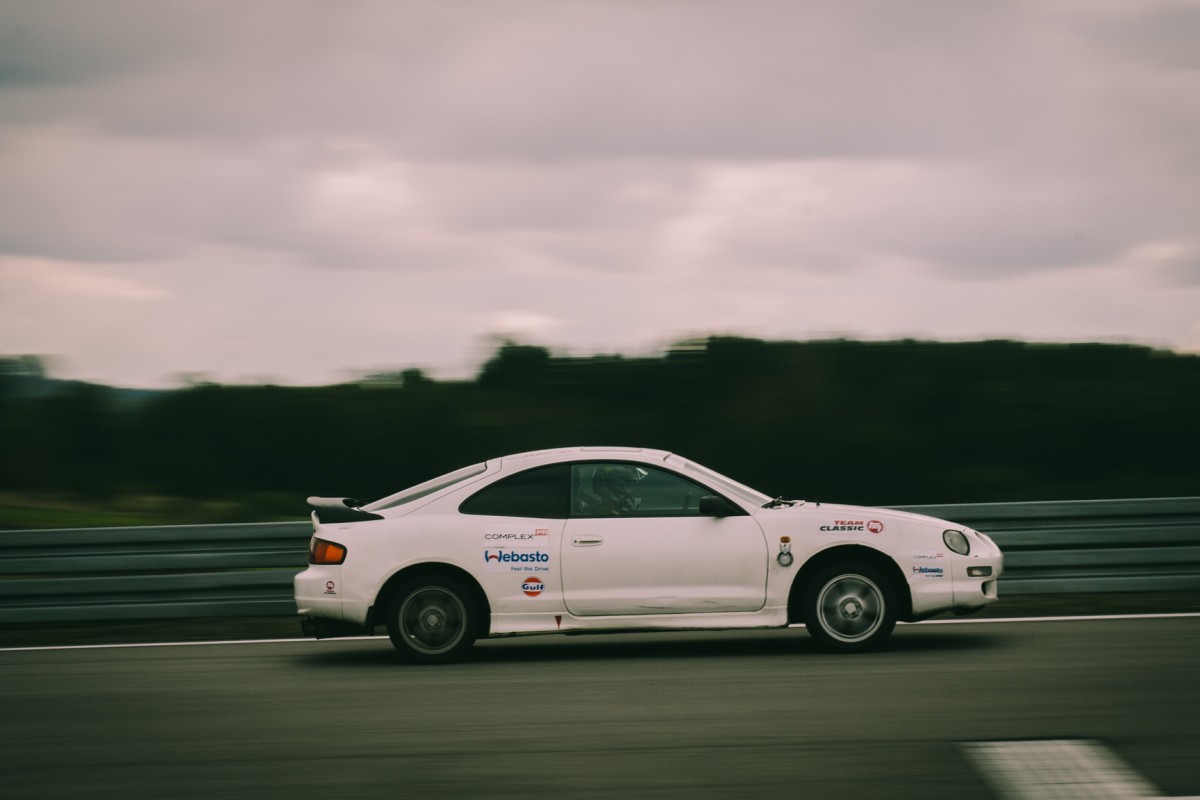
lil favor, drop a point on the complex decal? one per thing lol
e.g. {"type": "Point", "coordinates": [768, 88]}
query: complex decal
{"type": "Point", "coordinates": [533, 586]}
{"type": "Point", "coordinates": [516, 534]}
{"type": "Point", "coordinates": [504, 559]}
{"type": "Point", "coordinates": [853, 526]}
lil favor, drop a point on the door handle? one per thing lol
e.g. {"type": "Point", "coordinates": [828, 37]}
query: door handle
{"type": "Point", "coordinates": [587, 541]}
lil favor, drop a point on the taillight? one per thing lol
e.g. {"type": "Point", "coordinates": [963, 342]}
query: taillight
{"type": "Point", "coordinates": [323, 552]}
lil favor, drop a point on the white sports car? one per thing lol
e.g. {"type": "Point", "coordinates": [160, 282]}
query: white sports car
{"type": "Point", "coordinates": [604, 539]}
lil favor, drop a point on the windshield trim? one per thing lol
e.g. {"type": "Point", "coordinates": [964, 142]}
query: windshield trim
{"type": "Point", "coordinates": [725, 484]}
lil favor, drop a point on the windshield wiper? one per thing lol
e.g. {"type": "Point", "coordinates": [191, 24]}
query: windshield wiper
{"type": "Point", "coordinates": [779, 502]}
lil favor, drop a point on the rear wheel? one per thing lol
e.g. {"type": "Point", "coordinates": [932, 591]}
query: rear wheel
{"type": "Point", "coordinates": [850, 607]}
{"type": "Point", "coordinates": [432, 620]}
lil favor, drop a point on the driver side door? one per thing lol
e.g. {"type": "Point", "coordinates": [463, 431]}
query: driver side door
{"type": "Point", "coordinates": [655, 553]}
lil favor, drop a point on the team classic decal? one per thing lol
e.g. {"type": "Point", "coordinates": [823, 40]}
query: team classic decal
{"type": "Point", "coordinates": [505, 559]}
{"type": "Point", "coordinates": [532, 586]}
{"type": "Point", "coordinates": [853, 526]}
{"type": "Point", "coordinates": [516, 535]}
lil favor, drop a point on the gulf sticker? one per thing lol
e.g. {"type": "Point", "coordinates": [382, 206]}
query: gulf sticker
{"type": "Point", "coordinates": [532, 586]}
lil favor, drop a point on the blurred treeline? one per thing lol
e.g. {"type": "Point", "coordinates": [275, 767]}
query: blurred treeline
{"type": "Point", "coordinates": [888, 423]}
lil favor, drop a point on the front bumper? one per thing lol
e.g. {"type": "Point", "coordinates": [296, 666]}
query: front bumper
{"type": "Point", "coordinates": [977, 576]}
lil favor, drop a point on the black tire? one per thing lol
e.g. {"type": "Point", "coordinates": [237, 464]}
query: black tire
{"type": "Point", "coordinates": [850, 607]}
{"type": "Point", "coordinates": [433, 619]}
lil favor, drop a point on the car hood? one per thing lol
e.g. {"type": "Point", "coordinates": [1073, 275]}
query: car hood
{"type": "Point", "coordinates": [839, 511]}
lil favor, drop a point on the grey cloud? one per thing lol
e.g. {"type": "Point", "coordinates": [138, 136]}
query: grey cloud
{"type": "Point", "coordinates": [575, 134]}
{"type": "Point", "coordinates": [544, 80]}
{"type": "Point", "coordinates": [57, 43]}
{"type": "Point", "coordinates": [1165, 35]}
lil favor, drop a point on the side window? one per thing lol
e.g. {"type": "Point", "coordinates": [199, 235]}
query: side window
{"type": "Point", "coordinates": [539, 493]}
{"type": "Point", "coordinates": [632, 490]}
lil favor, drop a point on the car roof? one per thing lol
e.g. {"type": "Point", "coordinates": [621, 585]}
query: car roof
{"type": "Point", "coordinates": [559, 454]}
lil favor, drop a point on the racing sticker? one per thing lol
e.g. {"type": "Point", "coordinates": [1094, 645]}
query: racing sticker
{"type": "Point", "coordinates": [852, 526]}
{"type": "Point", "coordinates": [519, 535]}
{"type": "Point", "coordinates": [785, 557]}
{"type": "Point", "coordinates": [516, 559]}
{"type": "Point", "coordinates": [533, 586]}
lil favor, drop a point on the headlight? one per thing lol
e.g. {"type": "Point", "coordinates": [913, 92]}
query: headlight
{"type": "Point", "coordinates": [957, 542]}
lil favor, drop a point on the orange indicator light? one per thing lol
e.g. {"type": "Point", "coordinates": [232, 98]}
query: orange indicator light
{"type": "Point", "coordinates": [323, 552]}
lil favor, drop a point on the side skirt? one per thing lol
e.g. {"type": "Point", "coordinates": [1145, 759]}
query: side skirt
{"type": "Point", "coordinates": [541, 623]}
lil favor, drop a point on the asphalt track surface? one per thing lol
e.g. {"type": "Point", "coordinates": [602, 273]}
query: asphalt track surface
{"type": "Point", "coordinates": [738, 715]}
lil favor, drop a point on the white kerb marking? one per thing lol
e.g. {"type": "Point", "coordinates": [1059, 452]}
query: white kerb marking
{"type": "Point", "coordinates": [1062, 769]}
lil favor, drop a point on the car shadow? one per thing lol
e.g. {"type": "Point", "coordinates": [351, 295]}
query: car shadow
{"type": "Point", "coordinates": [657, 646]}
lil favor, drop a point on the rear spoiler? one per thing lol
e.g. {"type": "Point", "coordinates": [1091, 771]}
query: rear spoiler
{"type": "Point", "coordinates": [339, 509]}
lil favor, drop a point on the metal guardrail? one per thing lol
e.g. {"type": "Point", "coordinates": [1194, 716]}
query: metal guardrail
{"type": "Point", "coordinates": [246, 570]}
{"type": "Point", "coordinates": [1081, 546]}
{"type": "Point", "coordinates": [171, 572]}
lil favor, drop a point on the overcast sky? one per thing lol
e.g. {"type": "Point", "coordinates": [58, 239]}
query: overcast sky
{"type": "Point", "coordinates": [299, 191]}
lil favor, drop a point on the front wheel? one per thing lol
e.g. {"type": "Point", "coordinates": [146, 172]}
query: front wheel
{"type": "Point", "coordinates": [432, 620]}
{"type": "Point", "coordinates": [850, 608]}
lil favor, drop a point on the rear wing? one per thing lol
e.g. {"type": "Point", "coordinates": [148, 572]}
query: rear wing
{"type": "Point", "coordinates": [339, 509]}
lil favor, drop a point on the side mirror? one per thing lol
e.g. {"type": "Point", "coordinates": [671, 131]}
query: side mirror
{"type": "Point", "coordinates": [713, 506]}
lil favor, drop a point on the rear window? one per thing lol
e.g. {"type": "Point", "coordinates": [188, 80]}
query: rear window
{"type": "Point", "coordinates": [540, 493]}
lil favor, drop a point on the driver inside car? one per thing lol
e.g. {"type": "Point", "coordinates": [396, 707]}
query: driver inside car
{"type": "Point", "coordinates": [615, 486]}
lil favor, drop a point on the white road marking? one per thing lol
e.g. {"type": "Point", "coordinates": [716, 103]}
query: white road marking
{"type": "Point", "coordinates": [1059, 769]}
{"type": "Point", "coordinates": [180, 644]}
{"type": "Point", "coordinates": [972, 621]}
{"type": "Point", "coordinates": [962, 621]}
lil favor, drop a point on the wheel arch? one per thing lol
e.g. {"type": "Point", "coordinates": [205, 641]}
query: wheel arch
{"type": "Point", "coordinates": [849, 552]}
{"type": "Point", "coordinates": [378, 612]}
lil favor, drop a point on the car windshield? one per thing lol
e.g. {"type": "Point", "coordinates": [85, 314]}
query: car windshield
{"type": "Point", "coordinates": [725, 485]}
{"type": "Point", "coordinates": [427, 488]}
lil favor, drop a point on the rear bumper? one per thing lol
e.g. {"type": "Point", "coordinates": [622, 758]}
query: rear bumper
{"type": "Point", "coordinates": [318, 592]}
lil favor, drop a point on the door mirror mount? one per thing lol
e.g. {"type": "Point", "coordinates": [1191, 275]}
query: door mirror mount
{"type": "Point", "coordinates": [713, 506]}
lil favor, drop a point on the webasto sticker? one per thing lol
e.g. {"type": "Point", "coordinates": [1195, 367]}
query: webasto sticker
{"type": "Point", "coordinates": [503, 559]}
{"type": "Point", "coordinates": [929, 572]}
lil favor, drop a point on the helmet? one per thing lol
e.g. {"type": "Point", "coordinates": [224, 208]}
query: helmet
{"type": "Point", "coordinates": [616, 486]}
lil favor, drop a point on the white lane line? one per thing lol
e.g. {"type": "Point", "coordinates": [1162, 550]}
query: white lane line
{"type": "Point", "coordinates": [180, 644]}
{"type": "Point", "coordinates": [963, 621]}
{"type": "Point", "coordinates": [973, 621]}
{"type": "Point", "coordinates": [1058, 769]}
